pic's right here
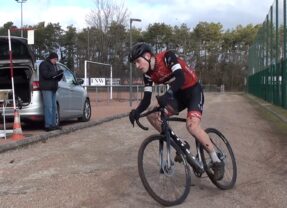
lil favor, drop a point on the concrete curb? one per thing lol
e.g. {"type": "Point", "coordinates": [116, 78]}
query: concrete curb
{"type": "Point", "coordinates": [265, 106]}
{"type": "Point", "coordinates": [66, 130]}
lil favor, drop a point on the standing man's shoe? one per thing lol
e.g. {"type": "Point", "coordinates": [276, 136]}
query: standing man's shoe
{"type": "Point", "coordinates": [49, 129]}
{"type": "Point", "coordinates": [57, 127]}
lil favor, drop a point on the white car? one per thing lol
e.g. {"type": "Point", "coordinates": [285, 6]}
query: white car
{"type": "Point", "coordinates": [72, 98]}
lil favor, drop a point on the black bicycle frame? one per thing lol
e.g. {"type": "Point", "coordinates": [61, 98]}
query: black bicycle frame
{"type": "Point", "coordinates": [166, 130]}
{"type": "Point", "coordinates": [189, 157]}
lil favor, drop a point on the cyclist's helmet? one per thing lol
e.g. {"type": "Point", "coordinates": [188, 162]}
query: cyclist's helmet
{"type": "Point", "coordinates": [138, 50]}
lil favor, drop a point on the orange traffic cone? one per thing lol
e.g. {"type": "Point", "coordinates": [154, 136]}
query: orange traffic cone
{"type": "Point", "coordinates": [17, 130]}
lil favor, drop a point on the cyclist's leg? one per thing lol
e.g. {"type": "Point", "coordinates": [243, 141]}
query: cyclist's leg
{"type": "Point", "coordinates": [194, 128]}
{"type": "Point", "coordinates": [194, 112]}
{"type": "Point", "coordinates": [154, 120]}
{"type": "Point", "coordinates": [193, 120]}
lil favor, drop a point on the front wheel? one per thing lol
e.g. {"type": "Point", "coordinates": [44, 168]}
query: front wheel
{"type": "Point", "coordinates": [167, 185]}
{"type": "Point", "coordinates": [225, 154]}
{"type": "Point", "coordinates": [86, 111]}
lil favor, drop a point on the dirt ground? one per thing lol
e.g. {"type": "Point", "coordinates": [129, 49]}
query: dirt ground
{"type": "Point", "coordinates": [101, 107]}
{"type": "Point", "coordinates": [97, 166]}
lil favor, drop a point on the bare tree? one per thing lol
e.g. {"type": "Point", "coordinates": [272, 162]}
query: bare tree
{"type": "Point", "coordinates": [103, 19]}
{"type": "Point", "coordinates": [106, 12]}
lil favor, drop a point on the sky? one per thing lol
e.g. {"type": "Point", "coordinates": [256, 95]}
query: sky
{"type": "Point", "coordinates": [230, 13]}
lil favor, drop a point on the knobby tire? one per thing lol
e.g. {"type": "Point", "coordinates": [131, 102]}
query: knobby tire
{"type": "Point", "coordinates": [221, 145]}
{"type": "Point", "coordinates": [168, 190]}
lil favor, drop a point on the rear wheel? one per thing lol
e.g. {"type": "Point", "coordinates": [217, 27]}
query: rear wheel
{"type": "Point", "coordinates": [225, 154]}
{"type": "Point", "coordinates": [86, 111]}
{"type": "Point", "coordinates": [167, 185]}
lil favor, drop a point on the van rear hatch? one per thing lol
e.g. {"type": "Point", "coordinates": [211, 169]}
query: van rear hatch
{"type": "Point", "coordinates": [23, 67]}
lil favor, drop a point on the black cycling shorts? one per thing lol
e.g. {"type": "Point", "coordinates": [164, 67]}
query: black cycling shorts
{"type": "Point", "coordinates": [191, 98]}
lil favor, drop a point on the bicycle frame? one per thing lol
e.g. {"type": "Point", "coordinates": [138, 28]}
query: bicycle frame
{"type": "Point", "coordinates": [194, 162]}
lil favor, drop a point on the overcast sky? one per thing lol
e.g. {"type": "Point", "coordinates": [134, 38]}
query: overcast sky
{"type": "Point", "coordinates": [229, 13]}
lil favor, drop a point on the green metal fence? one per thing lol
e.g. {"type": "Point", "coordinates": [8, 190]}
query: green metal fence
{"type": "Point", "coordinates": [267, 58]}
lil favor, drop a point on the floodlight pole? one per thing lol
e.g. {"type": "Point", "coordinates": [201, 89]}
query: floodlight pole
{"type": "Point", "coordinates": [131, 67]}
{"type": "Point", "coordinates": [21, 2]}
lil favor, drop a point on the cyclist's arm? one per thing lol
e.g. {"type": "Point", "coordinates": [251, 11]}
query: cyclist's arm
{"type": "Point", "coordinates": [172, 63]}
{"type": "Point", "coordinates": [145, 102]}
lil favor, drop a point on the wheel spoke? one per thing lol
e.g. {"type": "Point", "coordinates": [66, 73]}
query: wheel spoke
{"type": "Point", "coordinates": [170, 186]}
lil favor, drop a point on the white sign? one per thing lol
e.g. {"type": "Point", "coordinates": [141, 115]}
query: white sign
{"type": "Point", "coordinates": [98, 81]}
{"type": "Point", "coordinates": [30, 37]}
{"type": "Point", "coordinates": [116, 81]}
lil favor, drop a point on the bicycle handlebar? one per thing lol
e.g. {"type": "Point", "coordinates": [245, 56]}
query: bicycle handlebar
{"type": "Point", "coordinates": [156, 109]}
{"type": "Point", "coordinates": [141, 126]}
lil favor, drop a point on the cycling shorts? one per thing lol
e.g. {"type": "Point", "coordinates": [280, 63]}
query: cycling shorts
{"type": "Point", "coordinates": [191, 98]}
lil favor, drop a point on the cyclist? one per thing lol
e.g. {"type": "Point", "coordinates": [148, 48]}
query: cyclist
{"type": "Point", "coordinates": [184, 92]}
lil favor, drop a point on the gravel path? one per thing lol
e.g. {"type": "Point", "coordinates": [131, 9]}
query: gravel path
{"type": "Point", "coordinates": [97, 166]}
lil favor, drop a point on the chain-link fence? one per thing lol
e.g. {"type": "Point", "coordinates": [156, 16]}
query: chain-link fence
{"type": "Point", "coordinates": [267, 58]}
{"type": "Point", "coordinates": [121, 92]}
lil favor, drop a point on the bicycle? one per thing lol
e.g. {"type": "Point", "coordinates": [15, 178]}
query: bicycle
{"type": "Point", "coordinates": [168, 181]}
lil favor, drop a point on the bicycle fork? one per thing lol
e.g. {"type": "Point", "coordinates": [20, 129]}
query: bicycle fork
{"type": "Point", "coordinates": [168, 164]}
{"type": "Point", "coordinates": [165, 165]}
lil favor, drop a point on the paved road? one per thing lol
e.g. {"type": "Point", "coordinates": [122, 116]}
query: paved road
{"type": "Point", "coordinates": [97, 166]}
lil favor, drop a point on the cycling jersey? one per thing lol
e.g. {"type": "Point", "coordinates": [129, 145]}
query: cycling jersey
{"type": "Point", "coordinates": [166, 63]}
{"type": "Point", "coordinates": [183, 82]}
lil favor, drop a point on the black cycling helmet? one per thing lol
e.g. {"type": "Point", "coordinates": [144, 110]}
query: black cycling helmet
{"type": "Point", "coordinates": [138, 50]}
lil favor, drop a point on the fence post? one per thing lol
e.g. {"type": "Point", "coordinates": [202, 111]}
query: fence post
{"type": "Point", "coordinates": [284, 70]}
{"type": "Point", "coordinates": [284, 84]}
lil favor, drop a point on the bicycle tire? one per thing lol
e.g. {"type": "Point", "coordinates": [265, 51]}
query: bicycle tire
{"type": "Point", "coordinates": [224, 150]}
{"type": "Point", "coordinates": [163, 188]}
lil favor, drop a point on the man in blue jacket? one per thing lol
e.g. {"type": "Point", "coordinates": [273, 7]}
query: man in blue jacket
{"type": "Point", "coordinates": [49, 77]}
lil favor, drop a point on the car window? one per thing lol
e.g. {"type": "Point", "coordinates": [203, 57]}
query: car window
{"type": "Point", "coordinates": [68, 75]}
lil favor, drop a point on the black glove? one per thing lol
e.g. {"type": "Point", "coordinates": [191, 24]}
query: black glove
{"type": "Point", "coordinates": [134, 115]}
{"type": "Point", "coordinates": [165, 99]}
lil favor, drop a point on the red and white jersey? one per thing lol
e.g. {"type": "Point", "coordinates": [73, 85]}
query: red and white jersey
{"type": "Point", "coordinates": [165, 64]}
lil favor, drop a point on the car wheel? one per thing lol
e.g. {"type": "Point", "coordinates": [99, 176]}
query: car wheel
{"type": "Point", "coordinates": [86, 112]}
